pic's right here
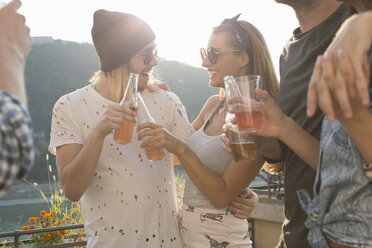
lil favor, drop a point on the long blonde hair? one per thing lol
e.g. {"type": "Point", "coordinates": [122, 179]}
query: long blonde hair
{"type": "Point", "coordinates": [119, 79]}
{"type": "Point", "coordinates": [262, 63]}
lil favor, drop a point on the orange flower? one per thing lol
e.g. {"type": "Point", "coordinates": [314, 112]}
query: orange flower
{"type": "Point", "coordinates": [62, 232]}
{"type": "Point", "coordinates": [32, 219]}
{"type": "Point", "coordinates": [47, 236]}
{"type": "Point", "coordinates": [58, 222]}
{"type": "Point", "coordinates": [37, 219]}
{"type": "Point", "coordinates": [47, 216]}
{"type": "Point", "coordinates": [66, 218]}
{"type": "Point", "coordinates": [42, 213]}
{"type": "Point", "coordinates": [53, 213]}
{"type": "Point", "coordinates": [25, 228]}
{"type": "Point", "coordinates": [32, 227]}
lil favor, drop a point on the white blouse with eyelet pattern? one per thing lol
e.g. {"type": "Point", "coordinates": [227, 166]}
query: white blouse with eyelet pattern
{"type": "Point", "coordinates": [131, 202]}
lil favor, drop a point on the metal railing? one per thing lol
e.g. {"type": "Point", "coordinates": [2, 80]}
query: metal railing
{"type": "Point", "coordinates": [18, 233]}
{"type": "Point", "coordinates": [274, 185]}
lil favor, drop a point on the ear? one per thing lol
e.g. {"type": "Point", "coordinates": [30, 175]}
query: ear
{"type": "Point", "coordinates": [244, 59]}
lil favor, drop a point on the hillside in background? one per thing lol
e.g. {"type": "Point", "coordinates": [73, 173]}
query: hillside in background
{"type": "Point", "coordinates": [56, 67]}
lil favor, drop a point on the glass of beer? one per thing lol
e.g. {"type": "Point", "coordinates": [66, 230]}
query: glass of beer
{"type": "Point", "coordinates": [242, 145]}
{"type": "Point", "coordinates": [248, 112]}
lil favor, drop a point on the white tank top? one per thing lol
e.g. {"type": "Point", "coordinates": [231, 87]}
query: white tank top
{"type": "Point", "coordinates": [209, 150]}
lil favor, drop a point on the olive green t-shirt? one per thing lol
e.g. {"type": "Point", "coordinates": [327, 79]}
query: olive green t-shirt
{"type": "Point", "coordinates": [296, 66]}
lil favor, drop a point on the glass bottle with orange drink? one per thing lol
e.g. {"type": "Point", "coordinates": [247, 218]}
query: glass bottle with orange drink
{"type": "Point", "coordinates": [143, 116]}
{"type": "Point", "coordinates": [124, 134]}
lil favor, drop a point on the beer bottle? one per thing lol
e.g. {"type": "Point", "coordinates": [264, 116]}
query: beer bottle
{"type": "Point", "coordinates": [124, 134]}
{"type": "Point", "coordinates": [143, 116]}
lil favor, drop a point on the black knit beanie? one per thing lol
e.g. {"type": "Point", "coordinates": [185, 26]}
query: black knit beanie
{"type": "Point", "coordinates": [118, 36]}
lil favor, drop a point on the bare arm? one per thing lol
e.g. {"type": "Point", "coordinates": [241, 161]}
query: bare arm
{"type": "Point", "coordinates": [15, 44]}
{"type": "Point", "coordinates": [301, 142]}
{"type": "Point", "coordinates": [338, 75]}
{"type": "Point", "coordinates": [76, 163]}
{"type": "Point", "coordinates": [205, 111]}
{"type": "Point", "coordinates": [277, 124]}
{"type": "Point", "coordinates": [220, 191]}
{"type": "Point", "coordinates": [243, 205]}
{"type": "Point", "coordinates": [359, 126]}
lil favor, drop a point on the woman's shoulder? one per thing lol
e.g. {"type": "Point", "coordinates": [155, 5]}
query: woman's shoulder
{"type": "Point", "coordinates": [207, 109]}
{"type": "Point", "coordinates": [210, 104]}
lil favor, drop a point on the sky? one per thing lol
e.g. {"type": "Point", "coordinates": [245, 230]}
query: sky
{"type": "Point", "coordinates": [181, 27]}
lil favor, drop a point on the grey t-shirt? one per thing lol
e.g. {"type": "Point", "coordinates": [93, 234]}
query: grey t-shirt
{"type": "Point", "coordinates": [296, 67]}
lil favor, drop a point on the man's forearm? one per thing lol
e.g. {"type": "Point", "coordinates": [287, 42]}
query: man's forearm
{"type": "Point", "coordinates": [12, 65]}
{"type": "Point", "coordinates": [301, 142]}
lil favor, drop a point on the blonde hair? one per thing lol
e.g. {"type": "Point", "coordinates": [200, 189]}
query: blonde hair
{"type": "Point", "coordinates": [119, 79]}
{"type": "Point", "coordinates": [262, 63]}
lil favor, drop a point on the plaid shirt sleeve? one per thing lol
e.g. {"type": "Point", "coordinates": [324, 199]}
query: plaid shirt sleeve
{"type": "Point", "coordinates": [16, 143]}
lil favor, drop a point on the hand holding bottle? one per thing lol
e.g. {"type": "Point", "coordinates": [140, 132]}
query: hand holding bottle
{"type": "Point", "coordinates": [113, 118]}
{"type": "Point", "coordinates": [144, 117]}
{"type": "Point", "coordinates": [159, 137]}
{"type": "Point", "coordinates": [128, 104]}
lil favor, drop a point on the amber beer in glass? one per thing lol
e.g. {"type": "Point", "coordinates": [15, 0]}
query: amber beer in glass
{"type": "Point", "coordinates": [242, 145]}
{"type": "Point", "coordinates": [124, 134]}
{"type": "Point", "coordinates": [244, 151]}
{"type": "Point", "coordinates": [249, 113]}
{"type": "Point", "coordinates": [144, 116]}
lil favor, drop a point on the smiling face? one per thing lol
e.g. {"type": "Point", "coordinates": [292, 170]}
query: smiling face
{"type": "Point", "coordinates": [228, 63]}
{"type": "Point", "coordinates": [137, 64]}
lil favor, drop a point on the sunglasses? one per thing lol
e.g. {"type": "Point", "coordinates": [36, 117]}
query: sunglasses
{"type": "Point", "coordinates": [149, 56]}
{"type": "Point", "coordinates": [212, 54]}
